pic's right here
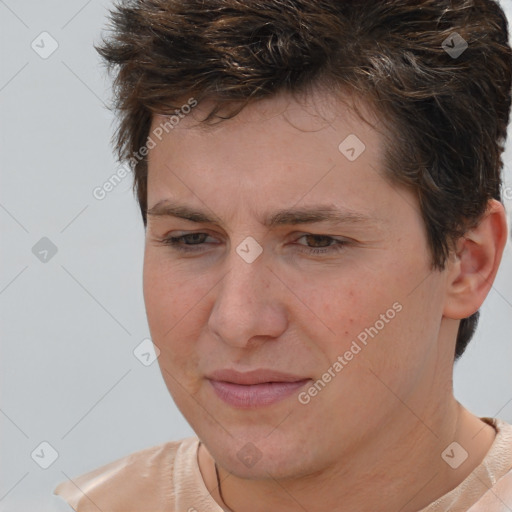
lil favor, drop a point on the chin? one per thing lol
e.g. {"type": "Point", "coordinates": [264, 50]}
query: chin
{"type": "Point", "coordinates": [253, 453]}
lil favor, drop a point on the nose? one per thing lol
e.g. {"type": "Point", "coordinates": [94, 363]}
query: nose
{"type": "Point", "coordinates": [248, 305]}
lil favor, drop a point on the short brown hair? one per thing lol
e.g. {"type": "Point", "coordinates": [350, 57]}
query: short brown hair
{"type": "Point", "coordinates": [448, 104]}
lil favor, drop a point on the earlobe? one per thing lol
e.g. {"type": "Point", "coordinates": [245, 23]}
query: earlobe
{"type": "Point", "coordinates": [473, 267]}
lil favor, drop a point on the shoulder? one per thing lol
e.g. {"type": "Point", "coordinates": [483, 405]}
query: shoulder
{"type": "Point", "coordinates": [499, 497]}
{"type": "Point", "coordinates": [143, 480]}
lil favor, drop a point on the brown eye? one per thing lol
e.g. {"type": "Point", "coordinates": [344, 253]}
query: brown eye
{"type": "Point", "coordinates": [186, 243]}
{"type": "Point", "coordinates": [321, 244]}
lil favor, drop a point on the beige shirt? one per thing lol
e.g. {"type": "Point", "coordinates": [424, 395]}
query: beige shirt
{"type": "Point", "coordinates": [166, 478]}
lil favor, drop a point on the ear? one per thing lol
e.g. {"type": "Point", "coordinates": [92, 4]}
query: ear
{"type": "Point", "coordinates": [473, 267]}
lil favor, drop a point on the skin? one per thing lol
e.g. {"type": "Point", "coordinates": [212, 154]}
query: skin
{"type": "Point", "coordinates": [372, 438]}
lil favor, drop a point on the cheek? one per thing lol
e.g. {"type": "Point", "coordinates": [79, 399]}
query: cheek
{"type": "Point", "coordinates": [370, 319]}
{"type": "Point", "coordinates": [170, 313]}
{"type": "Point", "coordinates": [348, 304]}
{"type": "Point", "coordinates": [166, 293]}
{"type": "Point", "coordinates": [170, 304]}
{"type": "Point", "coordinates": [393, 334]}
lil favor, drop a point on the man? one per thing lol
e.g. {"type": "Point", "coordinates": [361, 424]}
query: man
{"type": "Point", "coordinates": [320, 186]}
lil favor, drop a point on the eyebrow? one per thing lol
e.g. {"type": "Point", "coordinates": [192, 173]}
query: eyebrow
{"type": "Point", "coordinates": [283, 217]}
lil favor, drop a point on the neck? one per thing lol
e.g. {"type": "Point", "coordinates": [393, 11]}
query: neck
{"type": "Point", "coordinates": [402, 465]}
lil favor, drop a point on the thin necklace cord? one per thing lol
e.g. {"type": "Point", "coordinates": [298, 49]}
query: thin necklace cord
{"type": "Point", "coordinates": [219, 486]}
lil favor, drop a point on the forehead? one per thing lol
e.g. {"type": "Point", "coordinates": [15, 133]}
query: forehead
{"type": "Point", "coordinates": [282, 150]}
{"type": "Point", "coordinates": [310, 110]}
{"type": "Point", "coordinates": [314, 121]}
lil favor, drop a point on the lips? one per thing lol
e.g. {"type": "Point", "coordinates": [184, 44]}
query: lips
{"type": "Point", "coordinates": [256, 388]}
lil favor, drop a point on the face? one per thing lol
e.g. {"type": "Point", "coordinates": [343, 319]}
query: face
{"type": "Point", "coordinates": [334, 301]}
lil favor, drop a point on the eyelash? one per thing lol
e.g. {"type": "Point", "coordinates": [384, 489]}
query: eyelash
{"type": "Point", "coordinates": [174, 243]}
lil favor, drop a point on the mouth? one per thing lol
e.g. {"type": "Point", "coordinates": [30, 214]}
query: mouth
{"type": "Point", "coordinates": [257, 388]}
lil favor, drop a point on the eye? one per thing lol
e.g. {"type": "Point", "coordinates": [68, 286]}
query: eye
{"type": "Point", "coordinates": [326, 245]}
{"type": "Point", "coordinates": [175, 242]}
{"type": "Point", "coordinates": [195, 242]}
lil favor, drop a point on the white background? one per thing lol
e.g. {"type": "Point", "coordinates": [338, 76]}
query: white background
{"type": "Point", "coordinates": [70, 325]}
